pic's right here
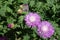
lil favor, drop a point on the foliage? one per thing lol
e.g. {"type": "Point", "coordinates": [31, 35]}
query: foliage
{"type": "Point", "coordinates": [48, 10]}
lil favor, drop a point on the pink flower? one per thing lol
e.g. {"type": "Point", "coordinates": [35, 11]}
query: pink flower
{"type": "Point", "coordinates": [45, 29]}
{"type": "Point", "coordinates": [32, 19]}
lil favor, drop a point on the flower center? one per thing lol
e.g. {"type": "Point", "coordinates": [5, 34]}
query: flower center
{"type": "Point", "coordinates": [45, 28]}
{"type": "Point", "coordinates": [32, 18]}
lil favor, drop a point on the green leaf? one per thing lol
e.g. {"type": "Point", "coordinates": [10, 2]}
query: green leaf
{"type": "Point", "coordinates": [8, 9]}
{"type": "Point", "coordinates": [25, 1]}
{"type": "Point", "coordinates": [10, 1]}
{"type": "Point", "coordinates": [54, 8]}
{"type": "Point", "coordinates": [58, 31]}
{"type": "Point", "coordinates": [35, 29]}
{"type": "Point", "coordinates": [39, 4]}
{"type": "Point", "coordinates": [20, 19]}
{"type": "Point", "coordinates": [2, 11]}
{"type": "Point", "coordinates": [0, 3]}
{"type": "Point", "coordinates": [32, 3]}
{"type": "Point", "coordinates": [4, 31]}
{"type": "Point", "coordinates": [24, 13]}
{"type": "Point", "coordinates": [1, 27]}
{"type": "Point", "coordinates": [52, 38]}
{"type": "Point", "coordinates": [19, 1]}
{"type": "Point", "coordinates": [34, 34]}
{"type": "Point", "coordinates": [10, 20]}
{"type": "Point", "coordinates": [54, 24]}
{"type": "Point", "coordinates": [42, 15]}
{"type": "Point", "coordinates": [18, 32]}
{"type": "Point", "coordinates": [50, 2]}
{"type": "Point", "coordinates": [26, 37]}
{"type": "Point", "coordinates": [16, 25]}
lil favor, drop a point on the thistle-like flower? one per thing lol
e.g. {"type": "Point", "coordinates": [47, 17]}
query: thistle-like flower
{"type": "Point", "coordinates": [32, 19]}
{"type": "Point", "coordinates": [45, 29]}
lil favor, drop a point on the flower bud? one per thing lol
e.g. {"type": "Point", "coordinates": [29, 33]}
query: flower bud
{"type": "Point", "coordinates": [10, 25]}
{"type": "Point", "coordinates": [20, 11]}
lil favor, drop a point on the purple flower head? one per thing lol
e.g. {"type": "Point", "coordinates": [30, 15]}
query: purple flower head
{"type": "Point", "coordinates": [3, 38]}
{"type": "Point", "coordinates": [10, 25]}
{"type": "Point", "coordinates": [32, 19]}
{"type": "Point", "coordinates": [45, 29]}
